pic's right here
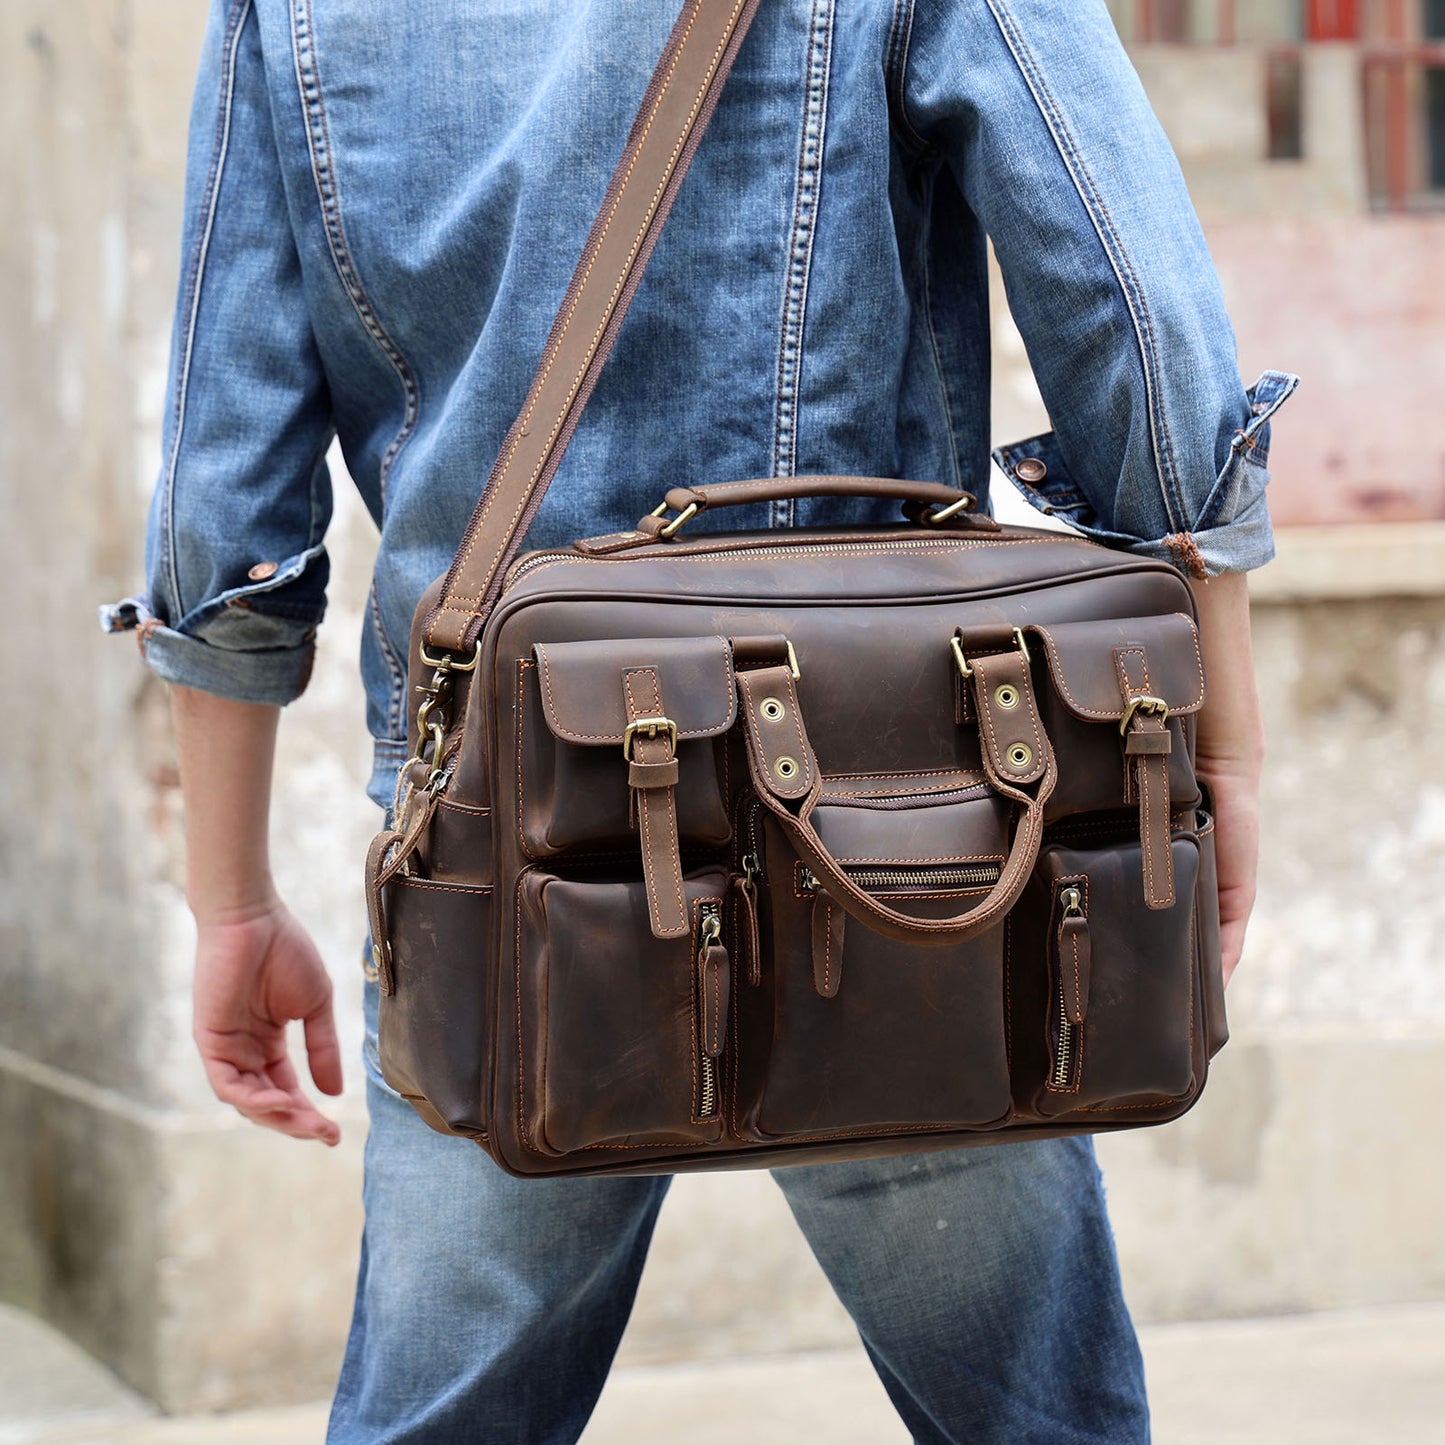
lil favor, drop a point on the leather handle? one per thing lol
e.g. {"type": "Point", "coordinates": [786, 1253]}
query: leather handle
{"type": "Point", "coordinates": [675, 110]}
{"type": "Point", "coordinates": [933, 495]}
{"type": "Point", "coordinates": [791, 792]}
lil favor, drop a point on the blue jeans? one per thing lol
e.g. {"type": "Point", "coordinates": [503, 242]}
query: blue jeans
{"type": "Point", "coordinates": [489, 1309]}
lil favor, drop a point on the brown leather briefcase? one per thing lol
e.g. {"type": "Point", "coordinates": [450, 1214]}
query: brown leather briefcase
{"type": "Point", "coordinates": [727, 849]}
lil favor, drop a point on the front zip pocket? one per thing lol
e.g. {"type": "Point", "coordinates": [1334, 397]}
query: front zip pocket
{"type": "Point", "coordinates": [622, 1032]}
{"type": "Point", "coordinates": [854, 1032]}
{"type": "Point", "coordinates": [1104, 1002]}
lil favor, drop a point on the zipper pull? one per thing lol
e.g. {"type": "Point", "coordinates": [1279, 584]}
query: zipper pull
{"type": "Point", "coordinates": [714, 980]}
{"type": "Point", "coordinates": [828, 921]}
{"type": "Point", "coordinates": [1073, 955]}
{"type": "Point", "coordinates": [749, 934]}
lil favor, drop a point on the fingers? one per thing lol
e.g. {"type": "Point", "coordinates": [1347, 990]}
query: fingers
{"type": "Point", "coordinates": [323, 1052]}
{"type": "Point", "coordinates": [271, 1101]}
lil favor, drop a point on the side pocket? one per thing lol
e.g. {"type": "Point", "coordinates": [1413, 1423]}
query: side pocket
{"type": "Point", "coordinates": [622, 1032]}
{"type": "Point", "coordinates": [431, 1030]}
{"type": "Point", "coordinates": [1102, 988]}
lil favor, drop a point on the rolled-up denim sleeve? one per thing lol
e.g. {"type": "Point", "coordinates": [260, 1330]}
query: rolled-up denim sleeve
{"type": "Point", "coordinates": [235, 566]}
{"type": "Point", "coordinates": [1157, 447]}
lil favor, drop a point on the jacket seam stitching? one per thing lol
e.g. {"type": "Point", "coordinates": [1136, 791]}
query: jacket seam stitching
{"type": "Point", "coordinates": [1113, 246]}
{"type": "Point", "coordinates": [939, 374]}
{"type": "Point", "coordinates": [900, 40]}
{"type": "Point", "coordinates": [210, 204]}
{"type": "Point", "coordinates": [323, 174]}
{"type": "Point", "coordinates": [806, 200]}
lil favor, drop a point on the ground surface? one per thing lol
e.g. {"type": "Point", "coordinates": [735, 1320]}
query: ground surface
{"type": "Point", "coordinates": [1358, 1377]}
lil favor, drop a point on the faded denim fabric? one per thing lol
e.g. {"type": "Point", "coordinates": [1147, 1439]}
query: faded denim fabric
{"type": "Point", "coordinates": [384, 204]}
{"type": "Point", "coordinates": [983, 1283]}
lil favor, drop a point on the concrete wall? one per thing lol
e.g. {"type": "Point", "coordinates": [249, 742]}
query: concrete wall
{"type": "Point", "coordinates": [211, 1263]}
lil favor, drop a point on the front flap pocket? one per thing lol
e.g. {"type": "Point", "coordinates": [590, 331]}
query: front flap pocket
{"type": "Point", "coordinates": [1118, 707]}
{"type": "Point", "coordinates": [623, 1032]}
{"type": "Point", "coordinates": [602, 723]}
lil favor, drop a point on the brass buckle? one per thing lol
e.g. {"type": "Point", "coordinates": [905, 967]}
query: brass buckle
{"type": "Point", "coordinates": [447, 663]}
{"type": "Point", "coordinates": [1150, 706]}
{"type": "Point", "coordinates": [940, 515]}
{"type": "Point", "coordinates": [678, 522]}
{"type": "Point", "coordinates": [966, 672]}
{"type": "Point", "coordinates": [650, 726]}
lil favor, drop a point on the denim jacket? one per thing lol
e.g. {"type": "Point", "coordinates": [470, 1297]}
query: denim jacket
{"type": "Point", "coordinates": [384, 204]}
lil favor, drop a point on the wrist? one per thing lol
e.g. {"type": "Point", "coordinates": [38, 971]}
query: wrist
{"type": "Point", "coordinates": [217, 907]}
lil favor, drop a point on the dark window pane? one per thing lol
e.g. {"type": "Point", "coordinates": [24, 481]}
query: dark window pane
{"type": "Point", "coordinates": [1435, 127]}
{"type": "Point", "coordinates": [1433, 20]}
{"type": "Point", "coordinates": [1283, 101]}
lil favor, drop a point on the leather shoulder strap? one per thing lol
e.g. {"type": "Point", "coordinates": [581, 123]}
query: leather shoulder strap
{"type": "Point", "coordinates": [675, 111]}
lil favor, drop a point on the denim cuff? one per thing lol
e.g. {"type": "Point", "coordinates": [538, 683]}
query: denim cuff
{"type": "Point", "coordinates": [276, 675]}
{"type": "Point", "coordinates": [1231, 531]}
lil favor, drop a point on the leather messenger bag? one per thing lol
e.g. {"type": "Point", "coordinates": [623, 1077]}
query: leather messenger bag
{"type": "Point", "coordinates": [737, 849]}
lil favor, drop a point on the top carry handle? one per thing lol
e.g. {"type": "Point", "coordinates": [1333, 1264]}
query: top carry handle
{"type": "Point", "coordinates": [675, 110]}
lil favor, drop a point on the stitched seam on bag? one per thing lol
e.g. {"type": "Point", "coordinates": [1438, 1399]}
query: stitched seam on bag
{"type": "Point", "coordinates": [731, 554]}
{"type": "Point", "coordinates": [471, 889]}
{"type": "Point", "coordinates": [1061, 682]}
{"type": "Point", "coordinates": [475, 810]}
{"type": "Point", "coordinates": [323, 173]}
{"type": "Point", "coordinates": [466, 605]}
{"type": "Point", "coordinates": [1136, 303]}
{"type": "Point", "coordinates": [210, 204]}
{"type": "Point", "coordinates": [706, 730]}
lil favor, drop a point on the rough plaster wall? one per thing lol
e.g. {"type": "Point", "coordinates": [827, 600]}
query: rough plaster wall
{"type": "Point", "coordinates": [140, 1215]}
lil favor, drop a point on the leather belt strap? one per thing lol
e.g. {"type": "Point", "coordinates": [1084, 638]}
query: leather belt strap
{"type": "Point", "coordinates": [1147, 745]}
{"type": "Point", "coordinates": [675, 111]}
{"type": "Point", "coordinates": [652, 774]}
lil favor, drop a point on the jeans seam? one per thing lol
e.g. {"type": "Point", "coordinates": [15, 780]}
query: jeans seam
{"type": "Point", "coordinates": [806, 200]}
{"type": "Point", "coordinates": [934, 351]}
{"type": "Point", "coordinates": [1113, 246]}
{"type": "Point", "coordinates": [191, 306]}
{"type": "Point", "coordinates": [396, 697]}
{"type": "Point", "coordinates": [323, 174]}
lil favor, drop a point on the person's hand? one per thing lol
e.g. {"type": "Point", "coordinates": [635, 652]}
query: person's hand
{"type": "Point", "coordinates": [1234, 789]}
{"type": "Point", "coordinates": [1230, 751]}
{"type": "Point", "coordinates": [254, 973]}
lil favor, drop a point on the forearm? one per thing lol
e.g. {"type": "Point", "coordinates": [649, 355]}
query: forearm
{"type": "Point", "coordinates": [226, 751]}
{"type": "Point", "coordinates": [1231, 733]}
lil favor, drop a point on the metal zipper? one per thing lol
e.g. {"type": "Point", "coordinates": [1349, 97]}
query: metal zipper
{"type": "Point", "coordinates": [709, 933]}
{"type": "Point", "coordinates": [979, 876]}
{"type": "Point", "coordinates": [519, 569]}
{"type": "Point", "coordinates": [1073, 905]}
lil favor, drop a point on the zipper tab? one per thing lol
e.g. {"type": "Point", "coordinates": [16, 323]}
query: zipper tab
{"type": "Point", "coordinates": [827, 930]}
{"type": "Point", "coordinates": [714, 981]}
{"type": "Point", "coordinates": [1072, 960]}
{"type": "Point", "coordinates": [749, 933]}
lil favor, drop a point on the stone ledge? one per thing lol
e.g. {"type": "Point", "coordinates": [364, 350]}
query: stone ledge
{"type": "Point", "coordinates": [1379, 559]}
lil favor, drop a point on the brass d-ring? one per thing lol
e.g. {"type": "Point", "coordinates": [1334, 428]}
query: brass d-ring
{"type": "Point", "coordinates": [771, 709]}
{"type": "Point", "coordinates": [786, 769]}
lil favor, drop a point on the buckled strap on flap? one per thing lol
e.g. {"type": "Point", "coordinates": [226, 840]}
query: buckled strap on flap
{"type": "Point", "coordinates": [1147, 745]}
{"type": "Point", "coordinates": [652, 773]}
